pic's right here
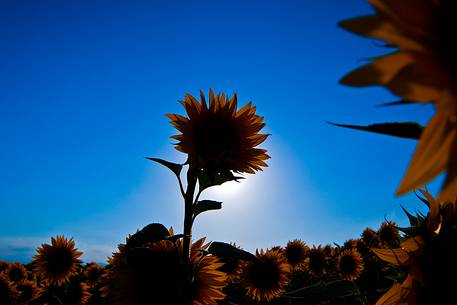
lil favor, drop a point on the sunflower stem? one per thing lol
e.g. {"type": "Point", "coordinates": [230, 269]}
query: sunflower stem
{"type": "Point", "coordinates": [188, 211]}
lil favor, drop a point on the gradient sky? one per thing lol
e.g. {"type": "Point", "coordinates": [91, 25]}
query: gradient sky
{"type": "Point", "coordinates": [84, 86]}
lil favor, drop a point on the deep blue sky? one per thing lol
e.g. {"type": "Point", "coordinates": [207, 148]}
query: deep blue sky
{"type": "Point", "coordinates": [84, 86]}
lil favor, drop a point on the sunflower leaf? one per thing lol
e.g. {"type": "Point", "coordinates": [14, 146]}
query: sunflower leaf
{"type": "Point", "coordinates": [396, 103]}
{"type": "Point", "coordinates": [225, 250]}
{"type": "Point", "coordinates": [174, 167]}
{"type": "Point", "coordinates": [206, 205]}
{"type": "Point", "coordinates": [323, 292]}
{"type": "Point", "coordinates": [413, 220]}
{"type": "Point", "coordinates": [408, 130]}
{"type": "Point", "coordinates": [205, 180]}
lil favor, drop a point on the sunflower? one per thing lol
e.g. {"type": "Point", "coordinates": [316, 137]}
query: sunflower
{"type": "Point", "coordinates": [295, 253]}
{"type": "Point", "coordinates": [388, 233]}
{"type": "Point", "coordinates": [8, 293]}
{"type": "Point", "coordinates": [16, 272]}
{"type": "Point", "coordinates": [430, 254]}
{"type": "Point", "coordinates": [57, 262]}
{"type": "Point", "coordinates": [369, 237]}
{"type": "Point", "coordinates": [27, 290]}
{"type": "Point", "coordinates": [92, 272]}
{"type": "Point", "coordinates": [217, 137]}
{"type": "Point", "coordinates": [266, 278]}
{"type": "Point", "coordinates": [350, 264]}
{"type": "Point", "coordinates": [232, 267]}
{"type": "Point", "coordinates": [155, 274]}
{"type": "Point", "coordinates": [423, 68]}
{"type": "Point", "coordinates": [350, 244]}
{"type": "Point", "coordinates": [316, 261]}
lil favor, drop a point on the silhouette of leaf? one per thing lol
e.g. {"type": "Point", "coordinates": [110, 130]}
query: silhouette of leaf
{"type": "Point", "coordinates": [206, 205]}
{"type": "Point", "coordinates": [409, 130]}
{"type": "Point", "coordinates": [205, 180]}
{"type": "Point", "coordinates": [221, 249]}
{"type": "Point", "coordinates": [396, 103]}
{"type": "Point", "coordinates": [174, 167]}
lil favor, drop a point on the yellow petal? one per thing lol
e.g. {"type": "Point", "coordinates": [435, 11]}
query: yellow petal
{"type": "Point", "coordinates": [397, 257]}
{"type": "Point", "coordinates": [380, 72]}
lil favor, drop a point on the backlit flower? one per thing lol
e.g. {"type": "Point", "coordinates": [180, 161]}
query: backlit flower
{"type": "Point", "coordinates": [56, 263]}
{"type": "Point", "coordinates": [266, 278]}
{"type": "Point", "coordinates": [296, 252]}
{"type": "Point", "coordinates": [218, 137]}
{"type": "Point", "coordinates": [350, 264]}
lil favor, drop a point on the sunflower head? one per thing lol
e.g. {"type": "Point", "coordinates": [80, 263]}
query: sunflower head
{"type": "Point", "coordinates": [8, 294]}
{"type": "Point", "coordinates": [57, 262]}
{"type": "Point", "coordinates": [27, 291]}
{"type": "Point", "coordinates": [266, 278]}
{"type": "Point", "coordinates": [350, 264]}
{"type": "Point", "coordinates": [388, 233]}
{"type": "Point", "coordinates": [295, 253]}
{"type": "Point", "coordinates": [218, 137]}
{"type": "Point", "coordinates": [16, 272]}
{"type": "Point", "coordinates": [92, 272]}
{"type": "Point", "coordinates": [369, 237]}
{"type": "Point", "coordinates": [317, 261]}
{"type": "Point", "coordinates": [155, 273]}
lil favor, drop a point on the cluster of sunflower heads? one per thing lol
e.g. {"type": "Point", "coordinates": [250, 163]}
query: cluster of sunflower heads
{"type": "Point", "coordinates": [425, 260]}
{"type": "Point", "coordinates": [55, 276]}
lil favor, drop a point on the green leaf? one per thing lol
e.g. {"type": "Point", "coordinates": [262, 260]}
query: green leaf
{"type": "Point", "coordinates": [323, 292]}
{"type": "Point", "coordinates": [205, 180]}
{"type": "Point", "coordinates": [174, 167]}
{"type": "Point", "coordinates": [206, 205]}
{"type": "Point", "coordinates": [397, 103]}
{"type": "Point", "coordinates": [222, 250]}
{"type": "Point", "coordinates": [408, 130]}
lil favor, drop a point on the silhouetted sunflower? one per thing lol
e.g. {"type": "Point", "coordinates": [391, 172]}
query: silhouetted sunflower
{"type": "Point", "coordinates": [316, 261]}
{"type": "Point", "coordinates": [388, 233]}
{"type": "Point", "coordinates": [350, 264]}
{"type": "Point", "coordinates": [155, 274]}
{"type": "Point", "coordinates": [56, 263]}
{"type": "Point", "coordinates": [423, 68]}
{"type": "Point", "coordinates": [369, 237]}
{"type": "Point", "coordinates": [350, 244]}
{"type": "Point", "coordinates": [219, 138]}
{"type": "Point", "coordinates": [232, 267]}
{"type": "Point", "coordinates": [93, 272]}
{"type": "Point", "coordinates": [266, 278]}
{"type": "Point", "coordinates": [16, 272]}
{"type": "Point", "coordinates": [27, 291]}
{"type": "Point", "coordinates": [8, 293]}
{"type": "Point", "coordinates": [296, 252]}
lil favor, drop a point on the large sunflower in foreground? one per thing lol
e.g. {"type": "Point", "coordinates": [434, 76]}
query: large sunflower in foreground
{"type": "Point", "coordinates": [56, 263]}
{"type": "Point", "coordinates": [430, 254]}
{"type": "Point", "coordinates": [154, 273]}
{"type": "Point", "coordinates": [423, 68]}
{"type": "Point", "coordinates": [218, 137]}
{"type": "Point", "coordinates": [266, 278]}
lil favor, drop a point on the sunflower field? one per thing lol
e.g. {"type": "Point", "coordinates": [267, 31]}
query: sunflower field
{"type": "Point", "coordinates": [387, 265]}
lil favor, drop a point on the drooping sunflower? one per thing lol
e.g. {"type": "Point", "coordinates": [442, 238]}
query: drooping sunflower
{"type": "Point", "coordinates": [350, 264]}
{"type": "Point", "coordinates": [316, 261]}
{"type": "Point", "coordinates": [218, 137]}
{"type": "Point", "coordinates": [296, 252]}
{"type": "Point", "coordinates": [266, 278]}
{"type": "Point", "coordinates": [388, 233]}
{"type": "Point", "coordinates": [56, 263]}
{"type": "Point", "coordinates": [154, 273]}
{"type": "Point", "coordinates": [8, 293]}
{"type": "Point", "coordinates": [422, 68]}
{"type": "Point", "coordinates": [16, 272]}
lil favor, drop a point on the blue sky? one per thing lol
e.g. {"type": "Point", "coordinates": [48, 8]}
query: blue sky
{"type": "Point", "coordinates": [85, 86]}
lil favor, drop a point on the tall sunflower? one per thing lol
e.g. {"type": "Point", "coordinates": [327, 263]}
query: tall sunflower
{"type": "Point", "coordinates": [266, 278]}
{"type": "Point", "coordinates": [57, 262]}
{"type": "Point", "coordinates": [218, 137]}
{"type": "Point", "coordinates": [155, 274]}
{"type": "Point", "coordinates": [422, 68]}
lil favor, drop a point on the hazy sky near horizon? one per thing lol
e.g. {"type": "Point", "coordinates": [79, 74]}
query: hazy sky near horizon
{"type": "Point", "coordinates": [85, 86]}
